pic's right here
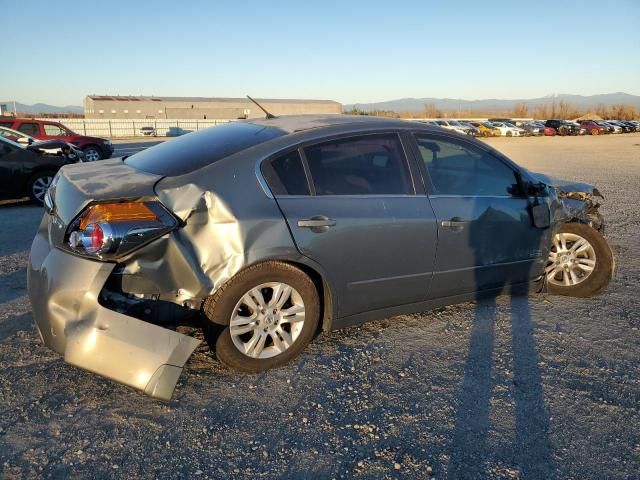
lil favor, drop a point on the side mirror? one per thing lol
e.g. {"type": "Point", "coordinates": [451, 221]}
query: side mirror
{"type": "Point", "coordinates": [536, 188]}
{"type": "Point", "coordinates": [24, 141]}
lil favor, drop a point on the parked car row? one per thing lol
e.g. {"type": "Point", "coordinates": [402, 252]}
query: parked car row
{"type": "Point", "coordinates": [94, 148]}
{"type": "Point", "coordinates": [505, 127]}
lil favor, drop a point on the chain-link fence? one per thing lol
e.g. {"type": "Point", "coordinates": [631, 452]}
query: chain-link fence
{"type": "Point", "coordinates": [135, 127]}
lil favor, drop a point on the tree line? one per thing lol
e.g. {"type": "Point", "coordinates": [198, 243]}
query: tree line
{"type": "Point", "coordinates": [556, 109]}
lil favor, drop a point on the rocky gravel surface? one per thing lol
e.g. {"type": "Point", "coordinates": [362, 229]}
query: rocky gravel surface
{"type": "Point", "coordinates": [516, 387]}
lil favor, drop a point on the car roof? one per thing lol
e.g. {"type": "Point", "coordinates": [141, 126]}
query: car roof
{"type": "Point", "coordinates": [298, 123]}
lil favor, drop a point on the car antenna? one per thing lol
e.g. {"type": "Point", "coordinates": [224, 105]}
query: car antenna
{"type": "Point", "coordinates": [269, 115]}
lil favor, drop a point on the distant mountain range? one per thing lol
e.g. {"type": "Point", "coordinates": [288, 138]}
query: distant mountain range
{"type": "Point", "coordinates": [42, 108]}
{"type": "Point", "coordinates": [452, 104]}
{"type": "Point", "coordinates": [417, 104]}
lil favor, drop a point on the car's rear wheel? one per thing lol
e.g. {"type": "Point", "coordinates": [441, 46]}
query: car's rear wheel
{"type": "Point", "coordinates": [92, 154]}
{"type": "Point", "coordinates": [270, 311]}
{"type": "Point", "coordinates": [580, 262]}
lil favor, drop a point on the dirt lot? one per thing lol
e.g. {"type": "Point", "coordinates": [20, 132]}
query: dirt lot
{"type": "Point", "coordinates": [513, 388]}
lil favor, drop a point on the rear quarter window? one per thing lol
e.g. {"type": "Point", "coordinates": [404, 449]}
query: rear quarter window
{"type": "Point", "coordinates": [285, 175]}
{"type": "Point", "coordinates": [196, 150]}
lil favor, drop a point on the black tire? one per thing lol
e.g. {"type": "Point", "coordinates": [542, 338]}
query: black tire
{"type": "Point", "coordinates": [219, 308]}
{"type": "Point", "coordinates": [600, 276]}
{"type": "Point", "coordinates": [92, 153]}
{"type": "Point", "coordinates": [509, 134]}
{"type": "Point", "coordinates": [35, 184]}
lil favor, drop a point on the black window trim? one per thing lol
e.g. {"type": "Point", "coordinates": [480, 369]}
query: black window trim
{"type": "Point", "coordinates": [408, 158]}
{"type": "Point", "coordinates": [464, 141]}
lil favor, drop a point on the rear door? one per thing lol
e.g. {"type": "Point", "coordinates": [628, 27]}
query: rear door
{"type": "Point", "coordinates": [351, 206]}
{"type": "Point", "coordinates": [55, 131]}
{"type": "Point", "coordinates": [486, 237]}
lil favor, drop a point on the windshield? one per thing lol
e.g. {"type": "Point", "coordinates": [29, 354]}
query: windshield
{"type": "Point", "coordinates": [193, 151]}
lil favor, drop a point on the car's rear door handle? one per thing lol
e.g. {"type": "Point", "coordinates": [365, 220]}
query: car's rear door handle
{"type": "Point", "coordinates": [317, 223]}
{"type": "Point", "coordinates": [456, 224]}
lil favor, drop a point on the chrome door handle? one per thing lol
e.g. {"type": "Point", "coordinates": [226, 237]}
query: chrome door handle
{"type": "Point", "coordinates": [317, 223]}
{"type": "Point", "coordinates": [455, 224]}
{"type": "Point", "coordinates": [314, 222]}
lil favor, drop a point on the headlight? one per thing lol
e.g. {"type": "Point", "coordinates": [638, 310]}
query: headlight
{"type": "Point", "coordinates": [111, 230]}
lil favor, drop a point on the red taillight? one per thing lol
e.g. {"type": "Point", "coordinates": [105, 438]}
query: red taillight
{"type": "Point", "coordinates": [97, 237]}
{"type": "Point", "coordinates": [110, 230]}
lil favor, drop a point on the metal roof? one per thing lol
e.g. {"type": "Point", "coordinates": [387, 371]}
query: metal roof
{"type": "Point", "coordinates": [130, 98]}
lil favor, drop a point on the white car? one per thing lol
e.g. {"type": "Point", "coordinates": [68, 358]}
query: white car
{"type": "Point", "coordinates": [452, 125]}
{"type": "Point", "coordinates": [616, 128]}
{"type": "Point", "coordinates": [508, 130]}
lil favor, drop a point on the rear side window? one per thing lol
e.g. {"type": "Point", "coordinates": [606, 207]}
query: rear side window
{"type": "Point", "coordinates": [196, 150]}
{"type": "Point", "coordinates": [285, 175]}
{"type": "Point", "coordinates": [54, 130]}
{"type": "Point", "coordinates": [29, 128]}
{"type": "Point", "coordinates": [365, 165]}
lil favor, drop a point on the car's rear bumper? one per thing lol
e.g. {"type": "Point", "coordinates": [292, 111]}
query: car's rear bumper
{"type": "Point", "coordinates": [64, 290]}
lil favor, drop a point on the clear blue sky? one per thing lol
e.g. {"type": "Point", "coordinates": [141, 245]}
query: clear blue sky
{"type": "Point", "coordinates": [350, 51]}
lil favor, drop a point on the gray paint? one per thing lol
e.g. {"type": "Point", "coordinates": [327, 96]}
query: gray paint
{"type": "Point", "coordinates": [386, 254]}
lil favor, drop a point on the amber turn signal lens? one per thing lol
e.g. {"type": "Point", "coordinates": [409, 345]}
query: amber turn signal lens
{"type": "Point", "coordinates": [117, 212]}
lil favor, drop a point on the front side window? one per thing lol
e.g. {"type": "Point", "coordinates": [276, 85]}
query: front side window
{"type": "Point", "coordinates": [54, 131]}
{"type": "Point", "coordinates": [285, 175]}
{"type": "Point", "coordinates": [29, 128]}
{"type": "Point", "coordinates": [457, 168]}
{"type": "Point", "coordinates": [365, 165]}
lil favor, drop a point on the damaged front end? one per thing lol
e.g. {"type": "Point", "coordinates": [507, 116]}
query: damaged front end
{"type": "Point", "coordinates": [572, 202]}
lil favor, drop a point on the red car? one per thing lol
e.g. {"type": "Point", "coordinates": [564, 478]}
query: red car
{"type": "Point", "coordinates": [593, 128]}
{"type": "Point", "coordinates": [94, 148]}
{"type": "Point", "coordinates": [549, 132]}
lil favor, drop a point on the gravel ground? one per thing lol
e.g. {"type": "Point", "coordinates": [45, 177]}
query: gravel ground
{"type": "Point", "coordinates": [512, 388]}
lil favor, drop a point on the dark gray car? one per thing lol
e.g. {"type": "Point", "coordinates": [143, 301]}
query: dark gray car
{"type": "Point", "coordinates": [275, 229]}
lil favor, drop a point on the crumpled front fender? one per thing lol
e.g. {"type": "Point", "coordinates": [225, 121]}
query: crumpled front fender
{"type": "Point", "coordinates": [64, 291]}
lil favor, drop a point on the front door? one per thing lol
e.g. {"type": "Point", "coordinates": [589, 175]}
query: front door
{"type": "Point", "coordinates": [486, 237]}
{"type": "Point", "coordinates": [360, 219]}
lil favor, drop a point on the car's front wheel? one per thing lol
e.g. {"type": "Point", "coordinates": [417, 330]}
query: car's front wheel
{"type": "Point", "coordinates": [92, 154]}
{"type": "Point", "coordinates": [38, 185]}
{"type": "Point", "coordinates": [580, 262]}
{"type": "Point", "coordinates": [270, 311]}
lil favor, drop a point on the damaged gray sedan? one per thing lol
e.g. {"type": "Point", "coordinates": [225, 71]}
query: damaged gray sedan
{"type": "Point", "coordinates": [274, 230]}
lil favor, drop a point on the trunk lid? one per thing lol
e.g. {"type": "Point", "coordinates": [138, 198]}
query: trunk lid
{"type": "Point", "coordinates": [79, 184]}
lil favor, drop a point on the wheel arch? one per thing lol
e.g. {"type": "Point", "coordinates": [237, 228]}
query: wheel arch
{"type": "Point", "coordinates": [326, 291]}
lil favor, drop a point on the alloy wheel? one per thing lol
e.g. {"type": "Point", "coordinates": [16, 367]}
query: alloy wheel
{"type": "Point", "coordinates": [91, 155]}
{"type": "Point", "coordinates": [40, 186]}
{"type": "Point", "coordinates": [267, 320]}
{"type": "Point", "coordinates": [571, 260]}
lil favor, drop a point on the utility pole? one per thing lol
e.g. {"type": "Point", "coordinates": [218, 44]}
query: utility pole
{"type": "Point", "coordinates": [15, 112]}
